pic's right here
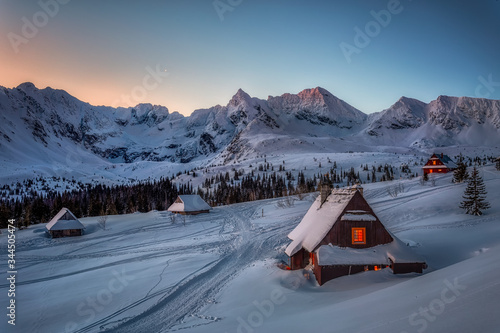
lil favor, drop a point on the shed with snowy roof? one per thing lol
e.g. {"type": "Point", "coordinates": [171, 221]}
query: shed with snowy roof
{"type": "Point", "coordinates": [341, 235]}
{"type": "Point", "coordinates": [189, 205]}
{"type": "Point", "coordinates": [439, 163]}
{"type": "Point", "coordinates": [64, 224]}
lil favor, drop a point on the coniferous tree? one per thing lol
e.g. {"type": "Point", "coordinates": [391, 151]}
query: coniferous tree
{"type": "Point", "coordinates": [460, 173]}
{"type": "Point", "coordinates": [497, 165]}
{"type": "Point", "coordinates": [475, 195]}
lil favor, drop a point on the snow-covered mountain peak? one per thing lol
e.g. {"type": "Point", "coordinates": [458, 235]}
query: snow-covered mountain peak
{"type": "Point", "coordinates": [459, 112]}
{"type": "Point", "coordinates": [240, 98]}
{"type": "Point", "coordinates": [406, 113]}
{"type": "Point", "coordinates": [149, 114]}
{"type": "Point", "coordinates": [27, 87]}
{"type": "Point", "coordinates": [408, 101]}
{"type": "Point", "coordinates": [409, 107]}
{"type": "Point", "coordinates": [314, 93]}
{"type": "Point", "coordinates": [318, 106]}
{"type": "Point", "coordinates": [44, 122]}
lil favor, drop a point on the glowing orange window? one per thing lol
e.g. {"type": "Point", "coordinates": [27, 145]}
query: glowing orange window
{"type": "Point", "coordinates": [359, 235]}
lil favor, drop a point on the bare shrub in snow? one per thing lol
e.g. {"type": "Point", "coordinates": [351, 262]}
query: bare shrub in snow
{"type": "Point", "coordinates": [286, 202]}
{"type": "Point", "coordinates": [393, 191]}
{"type": "Point", "coordinates": [102, 221]}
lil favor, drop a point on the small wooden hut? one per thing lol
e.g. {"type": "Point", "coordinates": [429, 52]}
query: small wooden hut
{"type": "Point", "coordinates": [64, 224]}
{"type": "Point", "coordinates": [439, 163]}
{"type": "Point", "coordinates": [341, 235]}
{"type": "Point", "coordinates": [189, 205]}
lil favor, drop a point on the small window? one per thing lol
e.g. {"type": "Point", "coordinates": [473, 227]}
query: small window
{"type": "Point", "coordinates": [359, 235]}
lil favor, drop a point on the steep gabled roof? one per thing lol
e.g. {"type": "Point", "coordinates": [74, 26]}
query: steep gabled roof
{"type": "Point", "coordinates": [445, 159]}
{"type": "Point", "coordinates": [64, 220]}
{"type": "Point", "coordinates": [318, 221]}
{"type": "Point", "coordinates": [448, 162]}
{"type": "Point", "coordinates": [189, 203]}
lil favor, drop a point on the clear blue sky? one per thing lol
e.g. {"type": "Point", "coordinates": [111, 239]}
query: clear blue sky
{"type": "Point", "coordinates": [103, 51]}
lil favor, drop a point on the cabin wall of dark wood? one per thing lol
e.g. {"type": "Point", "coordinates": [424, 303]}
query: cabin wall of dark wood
{"type": "Point", "coordinates": [341, 233]}
{"type": "Point", "coordinates": [299, 260]}
{"type": "Point", "coordinates": [403, 268]}
{"type": "Point", "coordinates": [438, 163]}
{"type": "Point", "coordinates": [326, 273]}
{"type": "Point", "coordinates": [66, 233]}
{"type": "Point", "coordinates": [192, 213]}
{"type": "Point", "coordinates": [438, 167]}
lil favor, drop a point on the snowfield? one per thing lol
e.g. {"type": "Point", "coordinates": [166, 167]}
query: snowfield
{"type": "Point", "coordinates": [218, 272]}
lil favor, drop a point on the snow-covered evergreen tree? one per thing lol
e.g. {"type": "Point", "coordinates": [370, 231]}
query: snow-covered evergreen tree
{"type": "Point", "coordinates": [475, 195]}
{"type": "Point", "coordinates": [460, 173]}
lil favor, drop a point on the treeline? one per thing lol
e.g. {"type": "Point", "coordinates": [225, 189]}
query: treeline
{"type": "Point", "coordinates": [31, 206]}
{"type": "Point", "coordinates": [98, 200]}
{"type": "Point", "coordinates": [92, 200]}
{"type": "Point", "coordinates": [227, 190]}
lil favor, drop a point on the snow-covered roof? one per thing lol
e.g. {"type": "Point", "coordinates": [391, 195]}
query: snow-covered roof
{"type": "Point", "coordinates": [318, 221]}
{"type": "Point", "coordinates": [447, 161]}
{"type": "Point", "coordinates": [64, 220]}
{"type": "Point", "coordinates": [189, 203]}
{"type": "Point", "coordinates": [397, 251]}
{"type": "Point", "coordinates": [358, 217]}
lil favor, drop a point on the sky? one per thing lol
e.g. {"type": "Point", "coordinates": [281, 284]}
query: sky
{"type": "Point", "coordinates": [188, 55]}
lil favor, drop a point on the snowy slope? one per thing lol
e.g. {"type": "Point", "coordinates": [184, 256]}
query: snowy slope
{"type": "Point", "coordinates": [217, 272]}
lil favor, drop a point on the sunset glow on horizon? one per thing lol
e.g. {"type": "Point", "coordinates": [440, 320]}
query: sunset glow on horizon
{"type": "Point", "coordinates": [191, 55]}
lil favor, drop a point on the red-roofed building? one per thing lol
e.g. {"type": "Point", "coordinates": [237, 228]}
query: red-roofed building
{"type": "Point", "coordinates": [439, 164]}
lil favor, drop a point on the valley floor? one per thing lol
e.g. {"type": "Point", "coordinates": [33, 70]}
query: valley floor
{"type": "Point", "coordinates": [218, 272]}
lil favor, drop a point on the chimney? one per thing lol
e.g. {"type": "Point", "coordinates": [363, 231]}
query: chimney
{"type": "Point", "coordinates": [357, 187]}
{"type": "Point", "coordinates": [442, 155]}
{"type": "Point", "coordinates": [325, 189]}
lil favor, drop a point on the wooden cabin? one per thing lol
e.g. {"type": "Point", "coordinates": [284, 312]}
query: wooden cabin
{"type": "Point", "coordinates": [189, 205]}
{"type": "Point", "coordinates": [64, 224]}
{"type": "Point", "coordinates": [341, 235]}
{"type": "Point", "coordinates": [439, 163]}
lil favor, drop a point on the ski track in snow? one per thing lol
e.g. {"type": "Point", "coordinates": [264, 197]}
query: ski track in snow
{"type": "Point", "coordinates": [194, 291]}
{"type": "Point", "coordinates": [233, 237]}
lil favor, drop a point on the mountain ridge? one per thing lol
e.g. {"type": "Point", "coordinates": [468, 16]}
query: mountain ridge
{"type": "Point", "coordinates": [313, 119]}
